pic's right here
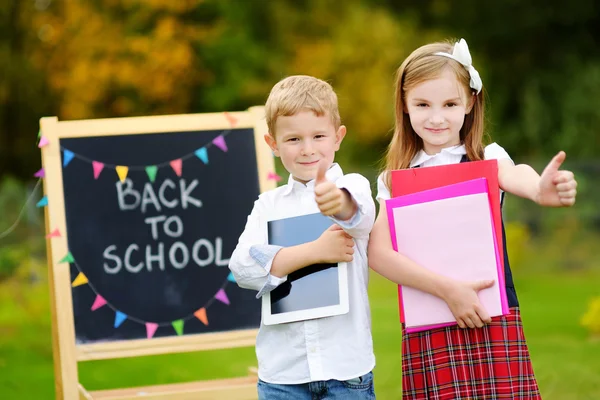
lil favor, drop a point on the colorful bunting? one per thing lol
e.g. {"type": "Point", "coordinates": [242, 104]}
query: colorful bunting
{"type": "Point", "coordinates": [122, 172]}
{"type": "Point", "coordinates": [231, 278]}
{"type": "Point", "coordinates": [43, 142]}
{"type": "Point", "coordinates": [43, 202]}
{"type": "Point", "coordinates": [119, 318]}
{"type": "Point", "coordinates": [176, 165]}
{"type": "Point", "coordinates": [40, 174]}
{"type": "Point", "coordinates": [151, 329]}
{"type": "Point", "coordinates": [99, 302]}
{"type": "Point", "coordinates": [151, 172]}
{"type": "Point", "coordinates": [39, 133]}
{"type": "Point", "coordinates": [273, 176]}
{"type": "Point", "coordinates": [219, 141]}
{"type": "Point", "coordinates": [201, 315]}
{"type": "Point", "coordinates": [80, 280]}
{"type": "Point", "coordinates": [202, 154]}
{"type": "Point", "coordinates": [98, 167]}
{"type": "Point", "coordinates": [222, 296]}
{"type": "Point", "coordinates": [68, 258]}
{"type": "Point", "coordinates": [54, 233]}
{"type": "Point", "coordinates": [67, 157]}
{"type": "Point", "coordinates": [178, 326]}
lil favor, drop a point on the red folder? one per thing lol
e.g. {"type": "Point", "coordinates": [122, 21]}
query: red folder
{"type": "Point", "coordinates": [407, 181]}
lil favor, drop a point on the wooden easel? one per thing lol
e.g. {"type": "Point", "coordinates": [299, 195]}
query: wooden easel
{"type": "Point", "coordinates": [66, 352]}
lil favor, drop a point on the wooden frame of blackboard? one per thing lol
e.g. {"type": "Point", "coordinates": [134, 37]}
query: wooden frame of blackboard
{"type": "Point", "coordinates": [65, 350]}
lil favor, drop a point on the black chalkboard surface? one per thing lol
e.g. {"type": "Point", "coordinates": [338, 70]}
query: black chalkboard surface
{"type": "Point", "coordinates": [150, 249]}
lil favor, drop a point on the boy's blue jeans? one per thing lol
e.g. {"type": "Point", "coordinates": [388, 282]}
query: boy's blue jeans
{"type": "Point", "coordinates": [360, 388]}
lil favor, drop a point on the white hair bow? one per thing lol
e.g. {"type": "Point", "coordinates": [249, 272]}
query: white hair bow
{"type": "Point", "coordinates": [462, 55]}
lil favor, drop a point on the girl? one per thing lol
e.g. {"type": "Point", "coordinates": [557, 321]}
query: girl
{"type": "Point", "coordinates": [439, 120]}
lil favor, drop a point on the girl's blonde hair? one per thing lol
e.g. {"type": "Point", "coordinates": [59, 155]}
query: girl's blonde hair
{"type": "Point", "coordinates": [301, 92]}
{"type": "Point", "coordinates": [420, 66]}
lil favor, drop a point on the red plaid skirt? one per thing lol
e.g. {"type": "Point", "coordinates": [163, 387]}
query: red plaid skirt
{"type": "Point", "coordinates": [453, 363]}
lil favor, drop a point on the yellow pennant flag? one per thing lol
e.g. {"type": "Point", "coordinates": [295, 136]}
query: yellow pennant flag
{"type": "Point", "coordinates": [80, 280]}
{"type": "Point", "coordinates": [122, 172]}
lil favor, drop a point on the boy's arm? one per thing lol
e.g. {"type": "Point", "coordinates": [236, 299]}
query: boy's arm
{"type": "Point", "coordinates": [553, 188]}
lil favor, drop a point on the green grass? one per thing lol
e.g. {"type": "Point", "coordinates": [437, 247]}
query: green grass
{"type": "Point", "coordinates": [566, 361]}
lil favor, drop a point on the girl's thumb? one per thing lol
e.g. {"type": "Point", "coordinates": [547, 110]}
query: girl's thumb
{"type": "Point", "coordinates": [483, 284]}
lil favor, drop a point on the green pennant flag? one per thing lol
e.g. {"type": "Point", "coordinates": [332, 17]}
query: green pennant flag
{"type": "Point", "coordinates": [151, 171]}
{"type": "Point", "coordinates": [178, 326]}
{"type": "Point", "coordinates": [68, 258]}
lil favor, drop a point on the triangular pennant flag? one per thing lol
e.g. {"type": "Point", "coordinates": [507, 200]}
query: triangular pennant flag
{"type": "Point", "coordinates": [176, 165]}
{"type": "Point", "coordinates": [202, 154]}
{"type": "Point", "coordinates": [219, 141]}
{"type": "Point", "coordinates": [67, 157]}
{"type": "Point", "coordinates": [150, 329]}
{"type": "Point", "coordinates": [43, 202]}
{"type": "Point", "coordinates": [43, 142]}
{"type": "Point", "coordinates": [68, 258]}
{"type": "Point", "coordinates": [40, 174]}
{"type": "Point", "coordinates": [80, 280]}
{"type": "Point", "coordinates": [99, 302]}
{"type": "Point", "coordinates": [39, 133]}
{"type": "Point", "coordinates": [119, 318]}
{"type": "Point", "coordinates": [273, 176]}
{"type": "Point", "coordinates": [232, 120]}
{"type": "Point", "coordinates": [178, 326]}
{"type": "Point", "coordinates": [230, 277]}
{"type": "Point", "coordinates": [151, 172]}
{"type": "Point", "coordinates": [98, 167]}
{"type": "Point", "coordinates": [222, 296]}
{"type": "Point", "coordinates": [122, 172]}
{"type": "Point", "coordinates": [201, 315]}
{"type": "Point", "coordinates": [54, 233]}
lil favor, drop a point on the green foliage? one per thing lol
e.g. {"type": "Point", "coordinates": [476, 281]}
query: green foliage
{"type": "Point", "coordinates": [591, 318]}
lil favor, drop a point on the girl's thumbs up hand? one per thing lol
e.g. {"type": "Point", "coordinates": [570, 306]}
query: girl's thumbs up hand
{"type": "Point", "coordinates": [557, 188]}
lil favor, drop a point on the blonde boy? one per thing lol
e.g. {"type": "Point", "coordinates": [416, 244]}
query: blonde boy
{"type": "Point", "coordinates": [328, 357]}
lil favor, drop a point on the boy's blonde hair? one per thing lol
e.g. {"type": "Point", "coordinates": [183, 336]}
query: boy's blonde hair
{"type": "Point", "coordinates": [301, 92]}
{"type": "Point", "coordinates": [420, 66]}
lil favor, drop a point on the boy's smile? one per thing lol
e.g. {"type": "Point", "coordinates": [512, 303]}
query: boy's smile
{"type": "Point", "coordinates": [303, 140]}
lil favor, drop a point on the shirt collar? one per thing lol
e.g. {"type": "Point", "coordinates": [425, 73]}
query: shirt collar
{"type": "Point", "coordinates": [333, 173]}
{"type": "Point", "coordinates": [421, 156]}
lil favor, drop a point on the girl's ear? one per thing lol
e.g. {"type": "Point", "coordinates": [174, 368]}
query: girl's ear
{"type": "Point", "coordinates": [471, 103]}
{"type": "Point", "coordinates": [272, 144]}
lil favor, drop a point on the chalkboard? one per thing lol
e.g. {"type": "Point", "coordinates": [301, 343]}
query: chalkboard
{"type": "Point", "coordinates": [142, 216]}
{"type": "Point", "coordinates": [157, 251]}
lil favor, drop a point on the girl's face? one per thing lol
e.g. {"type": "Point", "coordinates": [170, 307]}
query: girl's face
{"type": "Point", "coordinates": [437, 110]}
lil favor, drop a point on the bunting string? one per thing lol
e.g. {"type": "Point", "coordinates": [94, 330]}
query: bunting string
{"type": "Point", "coordinates": [22, 212]}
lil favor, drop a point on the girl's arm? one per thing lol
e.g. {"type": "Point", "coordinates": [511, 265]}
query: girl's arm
{"type": "Point", "coordinates": [553, 188]}
{"type": "Point", "coordinates": [461, 297]}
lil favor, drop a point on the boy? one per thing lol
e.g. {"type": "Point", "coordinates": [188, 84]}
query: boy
{"type": "Point", "coordinates": [329, 357]}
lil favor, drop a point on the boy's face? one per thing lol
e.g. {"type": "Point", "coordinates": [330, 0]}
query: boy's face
{"type": "Point", "coordinates": [304, 139]}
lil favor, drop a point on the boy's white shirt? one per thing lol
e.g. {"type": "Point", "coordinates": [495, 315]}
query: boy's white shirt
{"type": "Point", "coordinates": [338, 347]}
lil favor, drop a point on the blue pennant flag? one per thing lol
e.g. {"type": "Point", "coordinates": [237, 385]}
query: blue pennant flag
{"type": "Point", "coordinates": [67, 157]}
{"type": "Point", "coordinates": [202, 154]}
{"type": "Point", "coordinates": [43, 202]}
{"type": "Point", "coordinates": [119, 318]}
{"type": "Point", "coordinates": [230, 278]}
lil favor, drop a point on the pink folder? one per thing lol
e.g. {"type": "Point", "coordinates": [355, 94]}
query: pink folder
{"type": "Point", "coordinates": [449, 230]}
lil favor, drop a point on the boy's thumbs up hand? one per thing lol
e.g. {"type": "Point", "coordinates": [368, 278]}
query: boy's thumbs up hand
{"type": "Point", "coordinates": [328, 196]}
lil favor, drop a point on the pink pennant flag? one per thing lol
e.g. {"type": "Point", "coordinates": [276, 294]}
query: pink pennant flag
{"type": "Point", "coordinates": [150, 329]}
{"type": "Point", "coordinates": [98, 167]}
{"type": "Point", "coordinates": [222, 296]}
{"type": "Point", "coordinates": [43, 142]}
{"type": "Point", "coordinates": [40, 174]}
{"type": "Point", "coordinates": [219, 141]}
{"type": "Point", "coordinates": [99, 302]}
{"type": "Point", "coordinates": [273, 177]}
{"type": "Point", "coordinates": [176, 165]}
{"type": "Point", "coordinates": [232, 120]}
{"type": "Point", "coordinates": [54, 233]}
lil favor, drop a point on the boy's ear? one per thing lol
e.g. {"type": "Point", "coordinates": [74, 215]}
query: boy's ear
{"type": "Point", "coordinates": [272, 144]}
{"type": "Point", "coordinates": [339, 136]}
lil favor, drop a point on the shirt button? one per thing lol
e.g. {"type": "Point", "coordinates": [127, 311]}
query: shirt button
{"type": "Point", "coordinates": [312, 350]}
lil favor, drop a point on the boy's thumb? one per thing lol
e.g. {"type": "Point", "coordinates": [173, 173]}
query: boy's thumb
{"type": "Point", "coordinates": [322, 169]}
{"type": "Point", "coordinates": [483, 284]}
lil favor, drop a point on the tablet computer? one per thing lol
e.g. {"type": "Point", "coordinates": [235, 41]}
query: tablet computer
{"type": "Point", "coordinates": [315, 291]}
